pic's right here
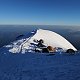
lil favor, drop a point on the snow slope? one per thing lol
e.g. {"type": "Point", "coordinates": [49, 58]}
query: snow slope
{"type": "Point", "coordinates": [53, 39]}
{"type": "Point", "coordinates": [39, 67]}
{"type": "Point", "coordinates": [50, 39]}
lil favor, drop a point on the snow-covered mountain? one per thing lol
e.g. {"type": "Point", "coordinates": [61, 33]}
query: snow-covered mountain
{"type": "Point", "coordinates": [38, 66]}
{"type": "Point", "coordinates": [28, 43]}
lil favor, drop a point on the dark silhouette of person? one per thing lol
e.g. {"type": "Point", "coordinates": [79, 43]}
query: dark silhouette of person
{"type": "Point", "coordinates": [40, 43]}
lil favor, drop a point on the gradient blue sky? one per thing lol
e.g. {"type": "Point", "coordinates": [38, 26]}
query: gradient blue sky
{"type": "Point", "coordinates": [40, 12]}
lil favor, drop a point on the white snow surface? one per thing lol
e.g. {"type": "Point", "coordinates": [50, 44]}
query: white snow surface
{"type": "Point", "coordinates": [50, 39]}
{"type": "Point", "coordinates": [53, 39]}
{"type": "Point", "coordinates": [39, 67]}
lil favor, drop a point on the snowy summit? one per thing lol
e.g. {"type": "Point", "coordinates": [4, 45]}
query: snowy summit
{"type": "Point", "coordinates": [50, 40]}
{"type": "Point", "coordinates": [39, 66]}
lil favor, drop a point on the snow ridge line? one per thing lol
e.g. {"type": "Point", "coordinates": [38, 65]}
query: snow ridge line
{"type": "Point", "coordinates": [26, 41]}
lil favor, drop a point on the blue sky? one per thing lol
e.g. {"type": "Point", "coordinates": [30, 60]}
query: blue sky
{"type": "Point", "coordinates": [40, 12]}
